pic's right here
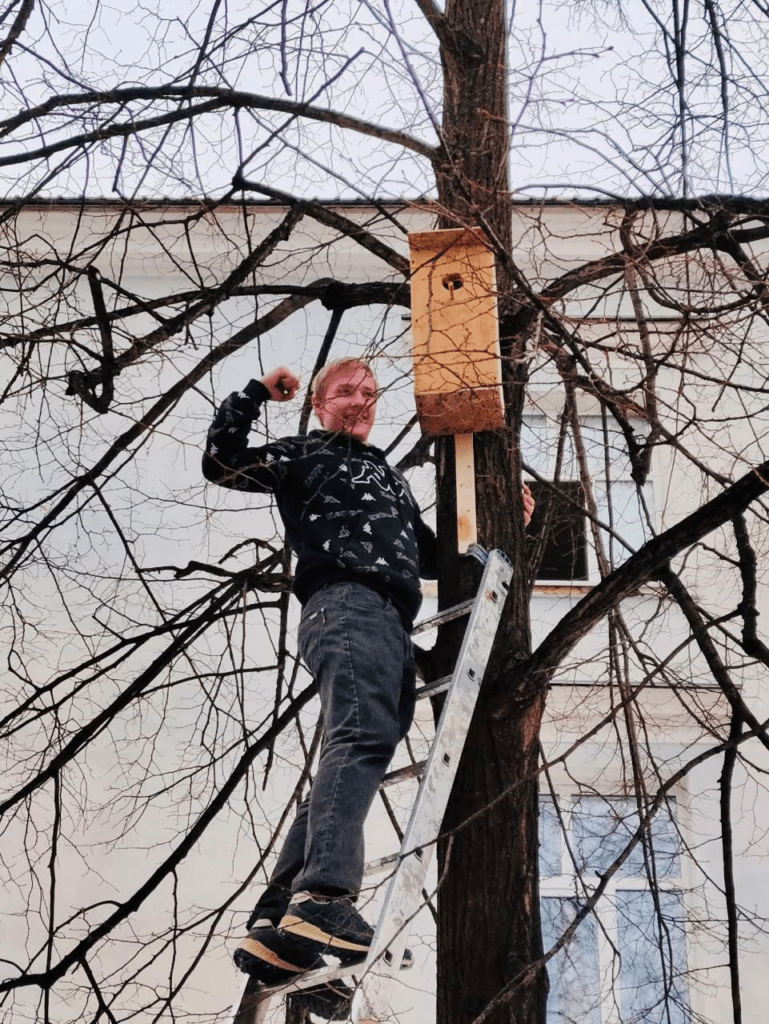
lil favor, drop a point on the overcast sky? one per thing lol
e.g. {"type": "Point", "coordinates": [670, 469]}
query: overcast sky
{"type": "Point", "coordinates": [595, 108]}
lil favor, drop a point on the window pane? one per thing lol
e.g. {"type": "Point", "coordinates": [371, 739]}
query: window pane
{"type": "Point", "coordinates": [653, 985]}
{"type": "Point", "coordinates": [573, 971]}
{"type": "Point", "coordinates": [602, 829]}
{"type": "Point", "coordinates": [549, 839]}
{"type": "Point", "coordinates": [558, 518]}
{"type": "Point", "coordinates": [537, 439]}
{"type": "Point", "coordinates": [595, 442]}
{"type": "Point", "coordinates": [620, 507]}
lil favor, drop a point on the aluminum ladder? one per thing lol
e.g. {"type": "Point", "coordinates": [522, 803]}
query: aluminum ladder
{"type": "Point", "coordinates": [377, 975]}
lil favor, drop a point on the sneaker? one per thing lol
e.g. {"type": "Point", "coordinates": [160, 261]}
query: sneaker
{"type": "Point", "coordinates": [268, 958]}
{"type": "Point", "coordinates": [323, 925]}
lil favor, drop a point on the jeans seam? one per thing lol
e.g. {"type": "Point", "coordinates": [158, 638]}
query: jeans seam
{"type": "Point", "coordinates": [329, 817]}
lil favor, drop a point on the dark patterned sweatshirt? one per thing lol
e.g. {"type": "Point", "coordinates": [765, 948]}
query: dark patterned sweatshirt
{"type": "Point", "coordinates": [348, 514]}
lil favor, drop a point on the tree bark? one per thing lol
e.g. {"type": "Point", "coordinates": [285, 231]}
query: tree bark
{"type": "Point", "coordinates": [488, 905]}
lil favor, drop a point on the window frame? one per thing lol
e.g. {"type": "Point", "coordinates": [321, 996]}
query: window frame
{"type": "Point", "coordinates": [539, 454]}
{"type": "Point", "coordinates": [577, 885]}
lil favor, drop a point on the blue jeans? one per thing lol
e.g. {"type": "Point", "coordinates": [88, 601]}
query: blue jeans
{"type": "Point", "coordinates": [355, 645]}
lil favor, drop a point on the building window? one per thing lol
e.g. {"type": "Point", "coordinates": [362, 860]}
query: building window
{"type": "Point", "coordinates": [561, 541]}
{"type": "Point", "coordinates": [627, 961]}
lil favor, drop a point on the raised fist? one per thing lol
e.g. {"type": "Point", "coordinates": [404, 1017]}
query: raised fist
{"type": "Point", "coordinates": [282, 384]}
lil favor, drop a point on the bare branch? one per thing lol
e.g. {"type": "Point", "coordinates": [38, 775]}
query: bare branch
{"type": "Point", "coordinates": [215, 99]}
{"type": "Point", "coordinates": [18, 26]}
{"type": "Point", "coordinates": [344, 225]}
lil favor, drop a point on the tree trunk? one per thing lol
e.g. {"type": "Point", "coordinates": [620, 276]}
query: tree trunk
{"type": "Point", "coordinates": [488, 907]}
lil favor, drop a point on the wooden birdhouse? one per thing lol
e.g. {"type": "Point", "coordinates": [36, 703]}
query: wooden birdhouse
{"type": "Point", "coordinates": [457, 372]}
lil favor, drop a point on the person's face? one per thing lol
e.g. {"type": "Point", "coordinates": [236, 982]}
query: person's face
{"type": "Point", "coordinates": [349, 403]}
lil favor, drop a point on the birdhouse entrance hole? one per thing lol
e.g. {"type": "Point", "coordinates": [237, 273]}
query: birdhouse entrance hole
{"type": "Point", "coordinates": [452, 283]}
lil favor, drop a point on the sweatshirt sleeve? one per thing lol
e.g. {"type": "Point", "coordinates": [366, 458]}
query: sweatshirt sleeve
{"type": "Point", "coordinates": [228, 460]}
{"type": "Point", "coordinates": [428, 551]}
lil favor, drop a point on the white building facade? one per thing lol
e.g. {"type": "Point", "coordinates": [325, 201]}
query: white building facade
{"type": "Point", "coordinates": [637, 728]}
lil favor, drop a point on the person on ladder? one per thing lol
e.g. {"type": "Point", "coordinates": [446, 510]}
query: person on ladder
{"type": "Point", "coordinates": [361, 548]}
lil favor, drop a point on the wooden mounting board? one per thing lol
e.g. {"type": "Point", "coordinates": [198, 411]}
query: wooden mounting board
{"type": "Point", "coordinates": [467, 524]}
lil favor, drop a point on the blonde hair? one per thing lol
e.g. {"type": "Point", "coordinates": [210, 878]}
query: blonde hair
{"type": "Point", "coordinates": [320, 381]}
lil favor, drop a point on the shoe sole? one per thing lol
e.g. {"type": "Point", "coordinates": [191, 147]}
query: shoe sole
{"type": "Point", "coordinates": [259, 961]}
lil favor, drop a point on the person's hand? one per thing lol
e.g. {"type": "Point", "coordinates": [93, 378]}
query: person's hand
{"type": "Point", "coordinates": [528, 505]}
{"type": "Point", "coordinates": [282, 384]}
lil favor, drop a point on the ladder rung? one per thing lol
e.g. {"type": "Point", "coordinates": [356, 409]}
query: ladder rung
{"type": "Point", "coordinates": [411, 771]}
{"type": "Point", "coordinates": [436, 686]}
{"type": "Point", "coordinates": [253, 994]}
{"type": "Point", "coordinates": [376, 867]}
{"type": "Point", "coordinates": [320, 977]}
{"type": "Point", "coordinates": [447, 615]}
